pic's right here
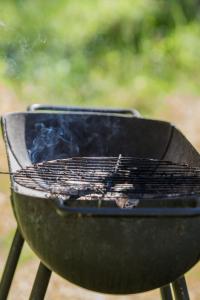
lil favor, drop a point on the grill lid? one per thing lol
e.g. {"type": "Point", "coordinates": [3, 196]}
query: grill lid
{"type": "Point", "coordinates": [125, 180]}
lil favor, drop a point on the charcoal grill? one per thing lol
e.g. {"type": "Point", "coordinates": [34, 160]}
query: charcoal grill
{"type": "Point", "coordinates": [90, 189]}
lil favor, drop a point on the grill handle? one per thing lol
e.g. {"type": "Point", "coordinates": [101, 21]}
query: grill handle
{"type": "Point", "coordinates": [64, 210]}
{"type": "Point", "coordinates": [35, 107]}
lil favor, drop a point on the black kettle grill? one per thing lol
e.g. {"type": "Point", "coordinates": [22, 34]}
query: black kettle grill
{"type": "Point", "coordinates": [106, 199]}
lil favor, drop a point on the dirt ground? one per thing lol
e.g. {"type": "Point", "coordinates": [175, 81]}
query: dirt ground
{"type": "Point", "coordinates": [184, 113]}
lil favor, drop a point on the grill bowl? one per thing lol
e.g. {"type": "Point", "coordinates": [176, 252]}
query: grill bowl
{"type": "Point", "coordinates": [117, 255]}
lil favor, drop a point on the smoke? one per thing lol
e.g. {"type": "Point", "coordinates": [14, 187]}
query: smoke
{"type": "Point", "coordinates": [46, 141]}
{"type": "Point", "coordinates": [62, 136]}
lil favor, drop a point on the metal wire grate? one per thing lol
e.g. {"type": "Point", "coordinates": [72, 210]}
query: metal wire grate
{"type": "Point", "coordinates": [111, 178]}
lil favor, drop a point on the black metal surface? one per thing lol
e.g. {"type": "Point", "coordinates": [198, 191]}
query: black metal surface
{"type": "Point", "coordinates": [41, 283]}
{"type": "Point", "coordinates": [110, 254]}
{"type": "Point", "coordinates": [166, 293]}
{"type": "Point", "coordinates": [80, 134]}
{"type": "Point", "coordinates": [104, 254]}
{"type": "Point", "coordinates": [11, 265]}
{"type": "Point", "coordinates": [72, 134]}
{"type": "Point", "coordinates": [180, 289]}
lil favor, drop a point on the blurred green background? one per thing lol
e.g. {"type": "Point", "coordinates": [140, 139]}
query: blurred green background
{"type": "Point", "coordinates": [100, 52]}
{"type": "Point", "coordinates": [141, 54]}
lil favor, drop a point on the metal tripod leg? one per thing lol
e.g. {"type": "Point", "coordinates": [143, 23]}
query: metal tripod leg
{"type": "Point", "coordinates": [180, 289]}
{"type": "Point", "coordinates": [11, 265]}
{"type": "Point", "coordinates": [41, 283]}
{"type": "Point", "coordinates": [166, 293]}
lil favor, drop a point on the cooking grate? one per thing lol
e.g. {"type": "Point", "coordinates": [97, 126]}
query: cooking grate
{"type": "Point", "coordinates": [123, 179]}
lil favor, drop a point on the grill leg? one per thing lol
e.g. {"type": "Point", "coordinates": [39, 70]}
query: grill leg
{"type": "Point", "coordinates": [180, 289]}
{"type": "Point", "coordinates": [11, 265]}
{"type": "Point", "coordinates": [166, 293]}
{"type": "Point", "coordinates": [41, 283]}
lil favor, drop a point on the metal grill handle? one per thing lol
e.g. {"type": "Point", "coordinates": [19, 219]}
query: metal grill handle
{"type": "Point", "coordinates": [63, 210]}
{"type": "Point", "coordinates": [35, 107]}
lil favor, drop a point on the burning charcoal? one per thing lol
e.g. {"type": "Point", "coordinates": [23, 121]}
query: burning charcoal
{"type": "Point", "coordinates": [127, 203]}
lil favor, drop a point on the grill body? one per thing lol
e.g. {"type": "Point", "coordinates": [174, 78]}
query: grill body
{"type": "Point", "coordinates": [112, 254]}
